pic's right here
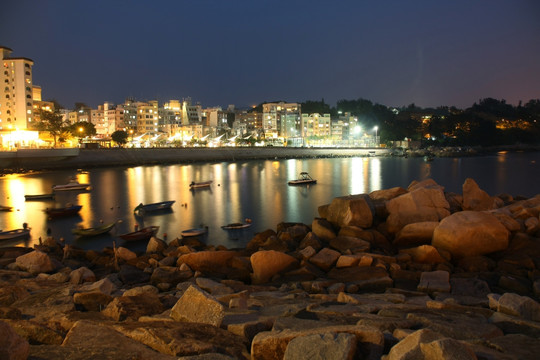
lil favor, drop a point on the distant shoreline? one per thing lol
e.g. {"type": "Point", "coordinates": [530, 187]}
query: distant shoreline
{"type": "Point", "coordinates": [25, 160]}
{"type": "Point", "coordinates": [56, 159]}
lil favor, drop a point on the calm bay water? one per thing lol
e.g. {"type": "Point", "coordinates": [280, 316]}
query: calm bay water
{"type": "Point", "coordinates": [256, 190]}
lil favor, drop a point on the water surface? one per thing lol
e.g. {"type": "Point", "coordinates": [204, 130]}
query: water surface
{"type": "Point", "coordinates": [256, 190]}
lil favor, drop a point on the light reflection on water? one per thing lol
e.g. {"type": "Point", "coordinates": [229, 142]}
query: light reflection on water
{"type": "Point", "coordinates": [255, 189]}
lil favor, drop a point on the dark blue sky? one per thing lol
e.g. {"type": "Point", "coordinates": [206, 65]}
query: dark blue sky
{"type": "Point", "coordinates": [244, 52]}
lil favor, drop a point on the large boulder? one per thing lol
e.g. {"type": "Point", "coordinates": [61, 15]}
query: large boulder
{"type": "Point", "coordinates": [198, 306]}
{"type": "Point", "coordinates": [36, 262]}
{"type": "Point", "coordinates": [421, 204]}
{"type": "Point", "coordinates": [470, 233]}
{"type": "Point", "coordinates": [414, 234]}
{"type": "Point", "coordinates": [352, 210]}
{"type": "Point", "coordinates": [209, 262]}
{"type": "Point", "coordinates": [12, 346]}
{"type": "Point", "coordinates": [323, 229]}
{"type": "Point", "coordinates": [475, 198]}
{"type": "Point", "coordinates": [268, 263]}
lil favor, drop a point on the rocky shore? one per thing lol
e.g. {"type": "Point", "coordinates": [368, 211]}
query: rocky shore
{"type": "Point", "coordinates": [416, 273]}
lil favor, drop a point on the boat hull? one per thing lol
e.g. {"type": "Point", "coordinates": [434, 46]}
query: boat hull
{"type": "Point", "coordinates": [140, 235]}
{"type": "Point", "coordinates": [17, 234]}
{"type": "Point", "coordinates": [60, 212]}
{"type": "Point", "coordinates": [93, 231]}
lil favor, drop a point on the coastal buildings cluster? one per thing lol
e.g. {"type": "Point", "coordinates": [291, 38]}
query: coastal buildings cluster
{"type": "Point", "coordinates": [176, 122]}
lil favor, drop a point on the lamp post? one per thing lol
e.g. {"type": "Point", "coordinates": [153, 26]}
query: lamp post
{"type": "Point", "coordinates": [80, 135]}
{"type": "Point", "coordinates": [376, 141]}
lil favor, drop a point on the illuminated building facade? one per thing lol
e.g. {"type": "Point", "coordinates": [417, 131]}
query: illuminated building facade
{"type": "Point", "coordinates": [16, 101]}
{"type": "Point", "coordinates": [282, 120]}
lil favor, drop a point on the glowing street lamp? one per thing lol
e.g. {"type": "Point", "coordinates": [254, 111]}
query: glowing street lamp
{"type": "Point", "coordinates": [376, 128]}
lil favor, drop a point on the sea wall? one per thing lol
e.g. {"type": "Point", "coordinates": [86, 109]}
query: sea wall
{"type": "Point", "coordinates": [88, 158]}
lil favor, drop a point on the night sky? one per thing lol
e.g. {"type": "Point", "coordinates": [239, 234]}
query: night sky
{"type": "Point", "coordinates": [244, 52]}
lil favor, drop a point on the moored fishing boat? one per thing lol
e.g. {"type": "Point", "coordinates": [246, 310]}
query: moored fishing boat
{"type": "Point", "coordinates": [69, 210]}
{"type": "Point", "coordinates": [142, 234]}
{"type": "Point", "coordinates": [199, 185]}
{"type": "Point", "coordinates": [194, 232]}
{"type": "Point", "coordinates": [16, 234]}
{"type": "Point", "coordinates": [39, 197]}
{"type": "Point", "coordinates": [93, 231]}
{"type": "Point", "coordinates": [71, 186]}
{"type": "Point", "coordinates": [234, 226]}
{"type": "Point", "coordinates": [303, 180]}
{"type": "Point", "coordinates": [159, 206]}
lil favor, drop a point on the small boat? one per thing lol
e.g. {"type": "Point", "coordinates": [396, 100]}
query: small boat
{"type": "Point", "coordinates": [164, 205]}
{"type": "Point", "coordinates": [429, 158]}
{"type": "Point", "coordinates": [15, 234]}
{"type": "Point", "coordinates": [234, 226]}
{"type": "Point", "coordinates": [93, 231]}
{"type": "Point", "coordinates": [303, 180]}
{"type": "Point", "coordinates": [72, 185]}
{"type": "Point", "coordinates": [198, 185]}
{"type": "Point", "coordinates": [64, 211]}
{"type": "Point", "coordinates": [39, 197]}
{"type": "Point", "coordinates": [6, 208]}
{"type": "Point", "coordinates": [194, 232]}
{"type": "Point", "coordinates": [142, 234]}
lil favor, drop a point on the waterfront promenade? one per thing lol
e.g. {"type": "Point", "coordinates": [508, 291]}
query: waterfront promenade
{"type": "Point", "coordinates": [48, 159]}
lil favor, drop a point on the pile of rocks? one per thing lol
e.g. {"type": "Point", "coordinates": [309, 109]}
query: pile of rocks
{"type": "Point", "coordinates": [412, 273]}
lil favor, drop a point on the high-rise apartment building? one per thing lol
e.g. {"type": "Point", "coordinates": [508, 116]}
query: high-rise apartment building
{"type": "Point", "coordinates": [282, 120]}
{"type": "Point", "coordinates": [16, 104]}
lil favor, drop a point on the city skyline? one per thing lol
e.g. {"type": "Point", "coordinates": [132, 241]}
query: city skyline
{"type": "Point", "coordinates": [245, 53]}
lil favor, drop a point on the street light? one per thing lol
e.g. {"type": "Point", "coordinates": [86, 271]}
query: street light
{"type": "Point", "coordinates": [376, 142]}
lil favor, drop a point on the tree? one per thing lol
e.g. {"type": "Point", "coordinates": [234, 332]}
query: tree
{"type": "Point", "coordinates": [120, 137]}
{"type": "Point", "coordinates": [53, 122]}
{"type": "Point", "coordinates": [82, 129]}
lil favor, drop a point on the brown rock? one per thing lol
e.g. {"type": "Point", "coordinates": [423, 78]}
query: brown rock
{"type": "Point", "coordinates": [470, 233]}
{"type": "Point", "coordinates": [434, 281]}
{"type": "Point", "coordinates": [36, 333]}
{"type": "Point", "coordinates": [101, 341]}
{"type": "Point", "coordinates": [352, 210]}
{"type": "Point", "coordinates": [259, 239]}
{"type": "Point", "coordinates": [419, 205]}
{"type": "Point", "coordinates": [268, 263]}
{"type": "Point", "coordinates": [387, 194]}
{"type": "Point", "coordinates": [185, 339]}
{"type": "Point", "coordinates": [325, 259]}
{"type": "Point", "coordinates": [208, 262]}
{"type": "Point", "coordinates": [310, 240]}
{"type": "Point", "coordinates": [11, 293]}
{"type": "Point", "coordinates": [125, 254]}
{"type": "Point", "coordinates": [425, 254]}
{"type": "Point", "coordinates": [349, 243]}
{"type": "Point", "coordinates": [415, 234]}
{"type": "Point", "coordinates": [522, 306]}
{"type": "Point", "coordinates": [170, 275]}
{"type": "Point", "coordinates": [270, 345]}
{"type": "Point", "coordinates": [198, 306]}
{"type": "Point", "coordinates": [448, 349]}
{"type": "Point", "coordinates": [475, 198]}
{"type": "Point", "coordinates": [82, 275]}
{"type": "Point", "coordinates": [92, 301]}
{"type": "Point", "coordinates": [12, 346]}
{"type": "Point", "coordinates": [36, 262]}
{"type": "Point", "coordinates": [322, 346]}
{"type": "Point", "coordinates": [133, 307]}
{"type": "Point", "coordinates": [155, 245]}
{"type": "Point", "coordinates": [323, 229]}
{"type": "Point", "coordinates": [509, 223]}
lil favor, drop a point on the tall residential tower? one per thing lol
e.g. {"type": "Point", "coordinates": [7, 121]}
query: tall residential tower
{"type": "Point", "coordinates": [16, 104]}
